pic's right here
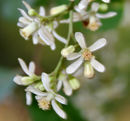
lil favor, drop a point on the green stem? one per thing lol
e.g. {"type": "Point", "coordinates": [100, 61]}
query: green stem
{"type": "Point", "coordinates": [55, 72]}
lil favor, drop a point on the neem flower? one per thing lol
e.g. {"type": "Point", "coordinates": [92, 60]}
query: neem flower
{"type": "Point", "coordinates": [86, 56]}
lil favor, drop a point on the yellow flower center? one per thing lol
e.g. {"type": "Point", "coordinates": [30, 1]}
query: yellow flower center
{"type": "Point", "coordinates": [87, 55]}
{"type": "Point", "coordinates": [44, 104]}
{"type": "Point", "coordinates": [93, 26]}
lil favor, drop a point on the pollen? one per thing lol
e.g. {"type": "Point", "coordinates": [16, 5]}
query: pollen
{"type": "Point", "coordinates": [93, 26]}
{"type": "Point", "coordinates": [44, 104]}
{"type": "Point", "coordinates": [87, 55]}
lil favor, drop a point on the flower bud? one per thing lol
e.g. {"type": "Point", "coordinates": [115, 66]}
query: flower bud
{"type": "Point", "coordinates": [103, 7]}
{"type": "Point", "coordinates": [88, 70]}
{"type": "Point", "coordinates": [26, 80]}
{"type": "Point", "coordinates": [74, 83]}
{"type": "Point", "coordinates": [39, 86]}
{"type": "Point", "coordinates": [58, 9]}
{"type": "Point", "coordinates": [66, 51]}
{"type": "Point", "coordinates": [32, 12]}
{"type": "Point", "coordinates": [28, 30]}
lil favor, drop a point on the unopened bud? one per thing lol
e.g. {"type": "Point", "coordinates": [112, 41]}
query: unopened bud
{"type": "Point", "coordinates": [58, 9]}
{"type": "Point", "coordinates": [66, 51]}
{"type": "Point", "coordinates": [88, 70]}
{"type": "Point", "coordinates": [103, 7]}
{"type": "Point", "coordinates": [74, 83]}
{"type": "Point", "coordinates": [28, 30]}
{"type": "Point", "coordinates": [27, 80]}
{"type": "Point", "coordinates": [39, 86]}
{"type": "Point", "coordinates": [32, 12]}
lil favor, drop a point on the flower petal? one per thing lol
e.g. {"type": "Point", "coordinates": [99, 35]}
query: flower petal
{"type": "Point", "coordinates": [42, 11]}
{"type": "Point", "coordinates": [46, 81]}
{"type": "Point", "coordinates": [73, 56]}
{"type": "Point", "coordinates": [35, 38]}
{"type": "Point", "coordinates": [67, 88]}
{"type": "Point", "coordinates": [96, 65]}
{"type": "Point", "coordinates": [28, 7]}
{"type": "Point", "coordinates": [60, 99]}
{"type": "Point", "coordinates": [25, 14]}
{"type": "Point", "coordinates": [74, 66]}
{"type": "Point", "coordinates": [28, 98]}
{"type": "Point", "coordinates": [47, 37]}
{"type": "Point", "coordinates": [95, 7]}
{"type": "Point", "coordinates": [59, 85]}
{"type": "Point", "coordinates": [17, 80]}
{"type": "Point", "coordinates": [24, 67]}
{"type": "Point", "coordinates": [106, 1]}
{"type": "Point", "coordinates": [98, 44]}
{"type": "Point", "coordinates": [35, 91]}
{"type": "Point", "coordinates": [24, 21]}
{"type": "Point", "coordinates": [80, 39]}
{"type": "Point", "coordinates": [58, 110]}
{"type": "Point", "coordinates": [107, 15]}
{"type": "Point", "coordinates": [58, 37]}
{"type": "Point", "coordinates": [32, 67]}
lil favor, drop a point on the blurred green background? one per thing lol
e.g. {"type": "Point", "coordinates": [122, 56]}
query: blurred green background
{"type": "Point", "coordinates": [104, 98]}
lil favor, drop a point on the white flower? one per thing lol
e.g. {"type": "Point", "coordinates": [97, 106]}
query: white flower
{"type": "Point", "coordinates": [49, 97]}
{"type": "Point", "coordinates": [62, 80]}
{"type": "Point", "coordinates": [90, 19]}
{"type": "Point", "coordinates": [30, 71]}
{"type": "Point", "coordinates": [32, 25]}
{"type": "Point", "coordinates": [94, 17]}
{"type": "Point", "coordinates": [106, 1]}
{"type": "Point", "coordinates": [86, 55]}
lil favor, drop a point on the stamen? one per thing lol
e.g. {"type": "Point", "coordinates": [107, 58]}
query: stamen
{"type": "Point", "coordinates": [87, 55]}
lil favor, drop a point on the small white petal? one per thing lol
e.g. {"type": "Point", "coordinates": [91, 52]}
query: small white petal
{"type": "Point", "coordinates": [67, 88]}
{"type": "Point", "coordinates": [95, 7]}
{"type": "Point", "coordinates": [65, 21]}
{"type": "Point", "coordinates": [24, 67]}
{"type": "Point", "coordinates": [35, 91]}
{"type": "Point", "coordinates": [60, 99]}
{"type": "Point", "coordinates": [25, 15]}
{"type": "Point", "coordinates": [106, 1]}
{"type": "Point", "coordinates": [46, 81]}
{"type": "Point", "coordinates": [42, 11]}
{"type": "Point", "coordinates": [58, 110]}
{"type": "Point", "coordinates": [26, 5]}
{"type": "Point", "coordinates": [35, 38]}
{"type": "Point", "coordinates": [97, 66]}
{"type": "Point", "coordinates": [38, 97]}
{"type": "Point", "coordinates": [74, 66]}
{"type": "Point", "coordinates": [19, 24]}
{"type": "Point", "coordinates": [24, 21]}
{"type": "Point", "coordinates": [46, 36]}
{"type": "Point", "coordinates": [73, 56]}
{"type": "Point", "coordinates": [58, 37]}
{"type": "Point", "coordinates": [83, 4]}
{"type": "Point", "coordinates": [17, 80]}
{"type": "Point", "coordinates": [32, 67]}
{"type": "Point", "coordinates": [59, 85]}
{"type": "Point", "coordinates": [98, 44]}
{"type": "Point", "coordinates": [107, 15]}
{"type": "Point", "coordinates": [28, 98]}
{"type": "Point", "coordinates": [80, 39]}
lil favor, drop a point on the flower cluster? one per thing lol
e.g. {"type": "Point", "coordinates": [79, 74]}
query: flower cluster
{"type": "Point", "coordinates": [42, 29]}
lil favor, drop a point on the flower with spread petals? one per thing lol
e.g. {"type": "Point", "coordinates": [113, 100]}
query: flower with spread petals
{"type": "Point", "coordinates": [31, 24]}
{"type": "Point", "coordinates": [48, 98]}
{"type": "Point", "coordinates": [30, 71]}
{"type": "Point", "coordinates": [86, 56]}
{"type": "Point", "coordinates": [91, 18]}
